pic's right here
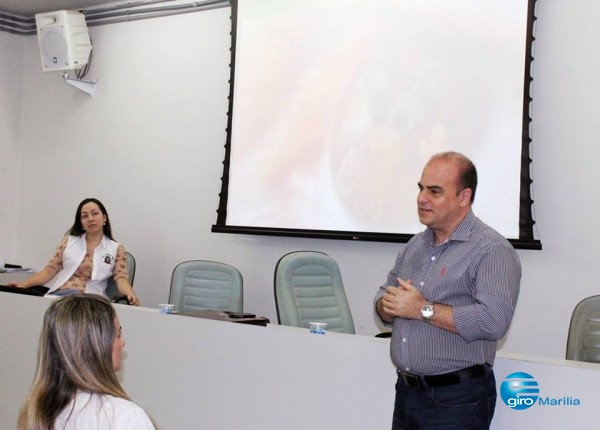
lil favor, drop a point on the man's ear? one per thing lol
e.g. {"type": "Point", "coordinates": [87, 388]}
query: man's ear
{"type": "Point", "coordinates": [465, 197]}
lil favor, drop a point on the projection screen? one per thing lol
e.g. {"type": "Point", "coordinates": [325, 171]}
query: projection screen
{"type": "Point", "coordinates": [335, 107]}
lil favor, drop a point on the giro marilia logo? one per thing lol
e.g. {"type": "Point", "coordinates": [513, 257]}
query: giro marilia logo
{"type": "Point", "coordinates": [521, 391]}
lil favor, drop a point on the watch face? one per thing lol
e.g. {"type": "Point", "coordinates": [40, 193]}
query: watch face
{"type": "Point", "coordinates": [427, 311]}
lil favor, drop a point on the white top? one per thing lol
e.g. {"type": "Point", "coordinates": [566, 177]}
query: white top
{"type": "Point", "coordinates": [102, 412]}
{"type": "Point", "coordinates": [104, 258]}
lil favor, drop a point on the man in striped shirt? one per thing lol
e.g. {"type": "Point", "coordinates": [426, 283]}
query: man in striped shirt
{"type": "Point", "coordinates": [449, 298]}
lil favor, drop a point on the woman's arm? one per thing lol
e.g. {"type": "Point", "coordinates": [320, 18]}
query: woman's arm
{"type": "Point", "coordinates": [48, 272]}
{"type": "Point", "coordinates": [39, 278]}
{"type": "Point", "coordinates": [126, 289]}
{"type": "Point", "coordinates": [121, 276]}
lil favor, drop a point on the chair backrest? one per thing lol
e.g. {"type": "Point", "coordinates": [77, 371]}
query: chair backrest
{"type": "Point", "coordinates": [583, 342]}
{"type": "Point", "coordinates": [201, 284]}
{"type": "Point", "coordinates": [111, 287]}
{"type": "Point", "coordinates": [309, 288]}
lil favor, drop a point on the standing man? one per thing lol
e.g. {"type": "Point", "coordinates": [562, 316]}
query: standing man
{"type": "Point", "coordinates": [449, 297]}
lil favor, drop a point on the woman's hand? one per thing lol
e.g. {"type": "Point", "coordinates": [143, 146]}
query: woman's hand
{"type": "Point", "coordinates": [40, 278]}
{"type": "Point", "coordinates": [126, 289]}
{"type": "Point", "coordinates": [133, 300]}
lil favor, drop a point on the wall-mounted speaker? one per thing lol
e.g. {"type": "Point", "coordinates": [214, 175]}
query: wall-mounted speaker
{"type": "Point", "coordinates": [64, 40]}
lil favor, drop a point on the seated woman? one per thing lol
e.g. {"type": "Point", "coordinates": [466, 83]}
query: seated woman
{"type": "Point", "coordinates": [86, 258]}
{"type": "Point", "coordinates": [75, 385]}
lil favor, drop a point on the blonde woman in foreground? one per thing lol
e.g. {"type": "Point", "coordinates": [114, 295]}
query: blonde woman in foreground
{"type": "Point", "coordinates": [75, 385]}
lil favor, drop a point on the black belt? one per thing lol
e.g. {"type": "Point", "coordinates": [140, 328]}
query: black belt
{"type": "Point", "coordinates": [451, 378]}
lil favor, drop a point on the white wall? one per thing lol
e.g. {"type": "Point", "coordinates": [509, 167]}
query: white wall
{"type": "Point", "coordinates": [149, 144]}
{"type": "Point", "coordinates": [11, 69]}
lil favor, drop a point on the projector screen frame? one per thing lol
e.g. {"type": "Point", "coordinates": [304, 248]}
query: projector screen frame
{"type": "Point", "coordinates": [526, 239]}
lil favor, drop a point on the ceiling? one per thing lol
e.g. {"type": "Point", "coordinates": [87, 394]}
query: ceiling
{"type": "Point", "coordinates": [29, 8]}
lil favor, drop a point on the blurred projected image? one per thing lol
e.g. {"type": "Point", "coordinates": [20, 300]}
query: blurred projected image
{"type": "Point", "coordinates": [337, 107]}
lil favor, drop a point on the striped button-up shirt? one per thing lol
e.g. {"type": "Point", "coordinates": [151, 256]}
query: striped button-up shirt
{"type": "Point", "coordinates": [478, 273]}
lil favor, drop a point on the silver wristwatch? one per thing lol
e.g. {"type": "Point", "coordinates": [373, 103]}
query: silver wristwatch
{"type": "Point", "coordinates": [427, 312]}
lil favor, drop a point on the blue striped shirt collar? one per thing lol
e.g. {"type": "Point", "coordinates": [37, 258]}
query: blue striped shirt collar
{"type": "Point", "coordinates": [462, 232]}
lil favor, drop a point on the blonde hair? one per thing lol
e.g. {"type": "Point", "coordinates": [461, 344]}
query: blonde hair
{"type": "Point", "coordinates": [75, 353]}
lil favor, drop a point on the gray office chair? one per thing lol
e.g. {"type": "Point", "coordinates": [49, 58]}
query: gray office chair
{"type": "Point", "coordinates": [201, 284]}
{"type": "Point", "coordinates": [583, 342]}
{"type": "Point", "coordinates": [111, 287]}
{"type": "Point", "coordinates": [308, 287]}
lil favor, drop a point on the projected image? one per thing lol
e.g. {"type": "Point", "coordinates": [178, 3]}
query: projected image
{"type": "Point", "coordinates": [338, 105]}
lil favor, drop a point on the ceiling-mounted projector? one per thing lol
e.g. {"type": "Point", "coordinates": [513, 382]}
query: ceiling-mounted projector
{"type": "Point", "coordinates": [64, 40]}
